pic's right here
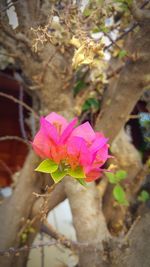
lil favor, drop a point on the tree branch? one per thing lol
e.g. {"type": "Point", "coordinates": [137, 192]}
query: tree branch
{"type": "Point", "coordinates": [142, 16]}
{"type": "Point", "coordinates": [55, 197]}
{"type": "Point", "coordinates": [17, 138]}
{"type": "Point", "coordinates": [21, 8]}
{"type": "Point", "coordinates": [130, 86]}
{"type": "Point", "coordinates": [126, 157]}
{"type": "Point", "coordinates": [136, 251]}
{"type": "Point", "coordinates": [20, 103]}
{"type": "Point", "coordinates": [89, 223]}
{"type": "Point", "coordinates": [14, 209]}
{"type": "Point", "coordinates": [49, 230]}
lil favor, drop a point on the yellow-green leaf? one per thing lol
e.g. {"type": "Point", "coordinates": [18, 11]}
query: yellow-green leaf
{"type": "Point", "coordinates": [82, 181]}
{"type": "Point", "coordinates": [77, 173]}
{"type": "Point", "coordinates": [58, 175]}
{"type": "Point", "coordinates": [120, 175]}
{"type": "Point", "coordinates": [111, 177]}
{"type": "Point", "coordinates": [47, 166]}
{"type": "Point", "coordinates": [120, 195]}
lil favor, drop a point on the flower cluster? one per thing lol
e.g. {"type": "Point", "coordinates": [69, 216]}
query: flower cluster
{"type": "Point", "coordinates": [69, 150]}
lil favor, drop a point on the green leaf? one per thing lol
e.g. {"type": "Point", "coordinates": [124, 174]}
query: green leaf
{"type": "Point", "coordinates": [124, 4]}
{"type": "Point", "coordinates": [144, 196]}
{"type": "Point", "coordinates": [120, 175]}
{"type": "Point", "coordinates": [58, 175]}
{"type": "Point", "coordinates": [95, 30]}
{"type": "Point", "coordinates": [80, 85]}
{"type": "Point", "coordinates": [47, 166]}
{"type": "Point", "coordinates": [122, 54]}
{"type": "Point", "coordinates": [91, 103]}
{"type": "Point", "coordinates": [120, 195]}
{"type": "Point", "coordinates": [87, 12]}
{"type": "Point", "coordinates": [86, 106]}
{"type": "Point", "coordinates": [82, 181]}
{"type": "Point", "coordinates": [111, 177]}
{"type": "Point", "coordinates": [77, 173]}
{"type": "Point", "coordinates": [104, 29]}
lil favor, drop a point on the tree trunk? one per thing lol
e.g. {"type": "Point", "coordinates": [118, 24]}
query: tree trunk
{"type": "Point", "coordinates": [47, 72]}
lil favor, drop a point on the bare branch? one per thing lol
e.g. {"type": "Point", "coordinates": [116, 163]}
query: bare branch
{"type": "Point", "coordinates": [136, 251]}
{"type": "Point", "coordinates": [21, 103]}
{"type": "Point", "coordinates": [68, 243]}
{"type": "Point", "coordinates": [89, 223]}
{"type": "Point", "coordinates": [5, 6]}
{"type": "Point", "coordinates": [15, 38]}
{"type": "Point", "coordinates": [2, 163]}
{"type": "Point", "coordinates": [22, 11]}
{"type": "Point", "coordinates": [128, 30]}
{"type": "Point", "coordinates": [28, 13]}
{"type": "Point", "coordinates": [13, 250]}
{"type": "Point", "coordinates": [29, 182]}
{"type": "Point", "coordinates": [130, 86]}
{"type": "Point", "coordinates": [140, 15]}
{"type": "Point", "coordinates": [17, 138]}
{"type": "Point", "coordinates": [55, 197]}
{"type": "Point", "coordinates": [9, 44]}
{"type": "Point", "coordinates": [49, 230]}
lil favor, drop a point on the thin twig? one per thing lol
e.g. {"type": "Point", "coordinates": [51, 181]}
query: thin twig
{"type": "Point", "coordinates": [20, 102]}
{"type": "Point", "coordinates": [113, 42]}
{"type": "Point", "coordinates": [115, 72]}
{"type": "Point", "coordinates": [21, 114]}
{"type": "Point", "coordinates": [49, 230]}
{"type": "Point", "coordinates": [12, 250]}
{"type": "Point", "coordinates": [8, 54]}
{"type": "Point", "coordinates": [40, 195]}
{"type": "Point", "coordinates": [9, 77]}
{"type": "Point", "coordinates": [76, 245]}
{"type": "Point", "coordinates": [122, 35]}
{"type": "Point", "coordinates": [127, 31]}
{"type": "Point", "coordinates": [17, 138]}
{"type": "Point", "coordinates": [133, 116]}
{"type": "Point", "coordinates": [42, 251]}
{"type": "Point", "coordinates": [8, 5]}
{"type": "Point", "coordinates": [65, 241]}
{"type": "Point", "coordinates": [41, 214]}
{"type": "Point", "coordinates": [127, 236]}
{"type": "Point", "coordinates": [46, 65]}
{"type": "Point", "coordinates": [6, 167]}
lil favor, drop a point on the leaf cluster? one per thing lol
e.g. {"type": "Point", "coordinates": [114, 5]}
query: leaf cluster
{"type": "Point", "coordinates": [118, 191]}
{"type": "Point", "coordinates": [58, 172]}
{"type": "Point", "coordinates": [144, 196]}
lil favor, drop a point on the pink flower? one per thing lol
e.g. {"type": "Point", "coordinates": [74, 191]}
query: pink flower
{"type": "Point", "coordinates": [93, 150]}
{"type": "Point", "coordinates": [50, 141]}
{"type": "Point", "coordinates": [78, 151]}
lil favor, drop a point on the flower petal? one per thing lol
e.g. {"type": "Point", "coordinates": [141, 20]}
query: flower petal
{"type": "Point", "coordinates": [68, 130]}
{"type": "Point", "coordinates": [58, 153]}
{"type": "Point", "coordinates": [41, 144]}
{"type": "Point", "coordinates": [57, 119]}
{"type": "Point", "coordinates": [93, 175]}
{"type": "Point", "coordinates": [49, 130]}
{"type": "Point", "coordinates": [101, 156]}
{"type": "Point", "coordinates": [98, 143]}
{"type": "Point", "coordinates": [85, 131]}
{"type": "Point", "coordinates": [78, 152]}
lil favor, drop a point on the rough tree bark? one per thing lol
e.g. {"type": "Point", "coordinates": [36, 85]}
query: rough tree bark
{"type": "Point", "coordinates": [132, 80]}
{"type": "Point", "coordinates": [52, 98]}
{"type": "Point", "coordinates": [89, 222]}
{"type": "Point", "coordinates": [135, 250]}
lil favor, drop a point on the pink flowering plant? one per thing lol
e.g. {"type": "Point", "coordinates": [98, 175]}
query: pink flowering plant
{"type": "Point", "coordinates": [68, 150]}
